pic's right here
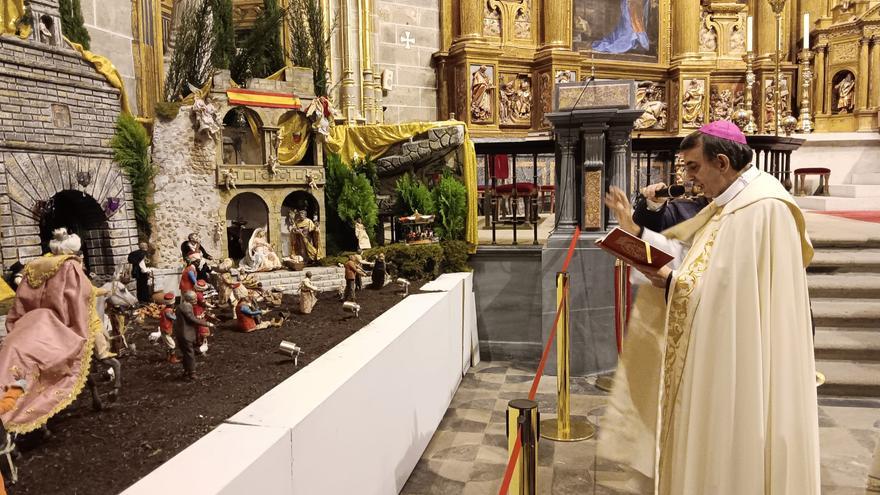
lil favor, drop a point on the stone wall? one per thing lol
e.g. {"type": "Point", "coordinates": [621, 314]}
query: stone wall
{"type": "Point", "coordinates": [57, 116]}
{"type": "Point", "coordinates": [414, 95]}
{"type": "Point", "coordinates": [185, 192]}
{"type": "Point", "coordinates": [110, 29]}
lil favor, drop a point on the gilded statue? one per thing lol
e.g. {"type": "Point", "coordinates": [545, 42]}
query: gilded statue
{"type": "Point", "coordinates": [737, 39]}
{"type": "Point", "coordinates": [722, 104]}
{"type": "Point", "coordinates": [845, 92]}
{"type": "Point", "coordinates": [649, 97]}
{"type": "Point", "coordinates": [523, 102]}
{"type": "Point", "coordinates": [770, 102]}
{"type": "Point", "coordinates": [692, 103]}
{"type": "Point", "coordinates": [508, 98]}
{"type": "Point", "coordinates": [481, 95]}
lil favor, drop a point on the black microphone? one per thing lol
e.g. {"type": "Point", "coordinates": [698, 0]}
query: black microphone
{"type": "Point", "coordinates": [673, 191]}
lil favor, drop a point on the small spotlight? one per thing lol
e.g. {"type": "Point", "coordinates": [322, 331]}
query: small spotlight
{"type": "Point", "coordinates": [352, 307]}
{"type": "Point", "coordinates": [404, 284]}
{"type": "Point", "coordinates": [290, 349]}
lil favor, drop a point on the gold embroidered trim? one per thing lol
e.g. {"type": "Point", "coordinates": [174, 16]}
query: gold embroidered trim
{"type": "Point", "coordinates": [38, 271]}
{"type": "Point", "coordinates": [85, 367]}
{"type": "Point", "coordinates": [679, 333]}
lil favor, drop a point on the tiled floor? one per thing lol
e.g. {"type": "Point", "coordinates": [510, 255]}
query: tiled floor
{"type": "Point", "coordinates": [468, 453]}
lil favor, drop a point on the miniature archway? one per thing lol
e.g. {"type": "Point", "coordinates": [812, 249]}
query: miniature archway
{"type": "Point", "coordinates": [298, 200]}
{"type": "Point", "coordinates": [80, 214]}
{"type": "Point", "coordinates": [245, 213]}
{"type": "Point", "coordinates": [242, 137]}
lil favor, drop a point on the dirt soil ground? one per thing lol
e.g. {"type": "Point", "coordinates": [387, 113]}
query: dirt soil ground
{"type": "Point", "coordinates": [159, 414]}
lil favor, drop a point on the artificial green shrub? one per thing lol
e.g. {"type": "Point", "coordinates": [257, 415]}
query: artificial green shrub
{"type": "Point", "coordinates": [131, 146]}
{"type": "Point", "coordinates": [413, 196]}
{"type": "Point", "coordinates": [412, 262]}
{"type": "Point", "coordinates": [349, 197]}
{"type": "Point", "coordinates": [450, 199]}
{"type": "Point", "coordinates": [224, 34]}
{"type": "Point", "coordinates": [72, 23]}
{"type": "Point", "coordinates": [358, 202]}
{"type": "Point", "coordinates": [455, 257]}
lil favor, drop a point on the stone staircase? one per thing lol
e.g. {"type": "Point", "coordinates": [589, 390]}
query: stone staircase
{"type": "Point", "coordinates": [327, 279]}
{"type": "Point", "coordinates": [844, 281]}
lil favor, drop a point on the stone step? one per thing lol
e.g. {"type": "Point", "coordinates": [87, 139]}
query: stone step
{"type": "Point", "coordinates": [845, 285]}
{"type": "Point", "coordinates": [847, 344]}
{"type": "Point", "coordinates": [836, 203]}
{"type": "Point", "coordinates": [849, 313]}
{"type": "Point", "coordinates": [849, 378]}
{"type": "Point", "coordinates": [855, 190]}
{"type": "Point", "coordinates": [871, 178]}
{"type": "Point", "coordinates": [845, 260]}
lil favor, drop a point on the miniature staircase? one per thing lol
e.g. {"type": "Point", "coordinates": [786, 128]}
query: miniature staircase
{"type": "Point", "coordinates": [844, 281]}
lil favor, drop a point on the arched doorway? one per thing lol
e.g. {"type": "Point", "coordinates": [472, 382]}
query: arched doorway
{"type": "Point", "coordinates": [80, 214]}
{"type": "Point", "coordinates": [298, 200]}
{"type": "Point", "coordinates": [242, 137]}
{"type": "Point", "coordinates": [245, 213]}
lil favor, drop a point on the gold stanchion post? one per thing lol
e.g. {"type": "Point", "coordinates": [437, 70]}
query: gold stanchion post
{"type": "Point", "coordinates": [524, 413]}
{"type": "Point", "coordinates": [564, 428]}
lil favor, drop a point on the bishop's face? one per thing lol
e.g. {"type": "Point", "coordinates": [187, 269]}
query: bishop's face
{"type": "Point", "coordinates": [713, 176]}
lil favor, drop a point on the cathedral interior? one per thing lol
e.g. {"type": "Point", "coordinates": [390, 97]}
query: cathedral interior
{"type": "Point", "coordinates": [534, 107]}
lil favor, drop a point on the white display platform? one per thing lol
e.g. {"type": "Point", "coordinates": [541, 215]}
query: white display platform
{"type": "Point", "coordinates": [356, 420]}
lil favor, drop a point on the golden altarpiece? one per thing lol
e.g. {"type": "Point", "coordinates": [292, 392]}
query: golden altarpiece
{"type": "Point", "coordinates": [500, 59]}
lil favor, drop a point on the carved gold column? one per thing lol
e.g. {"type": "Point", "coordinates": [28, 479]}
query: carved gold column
{"type": "Point", "coordinates": [365, 12]}
{"type": "Point", "coordinates": [349, 108]}
{"type": "Point", "coordinates": [686, 31]}
{"type": "Point", "coordinates": [446, 24]}
{"type": "Point", "coordinates": [874, 74]}
{"type": "Point", "coordinates": [863, 73]}
{"type": "Point", "coordinates": [471, 17]}
{"type": "Point", "coordinates": [557, 24]}
{"type": "Point", "coordinates": [819, 85]}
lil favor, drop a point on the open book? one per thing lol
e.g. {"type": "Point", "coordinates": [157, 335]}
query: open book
{"type": "Point", "coordinates": [633, 250]}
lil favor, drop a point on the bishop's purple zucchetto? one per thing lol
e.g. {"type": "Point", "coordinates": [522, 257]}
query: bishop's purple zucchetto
{"type": "Point", "coordinates": [724, 129]}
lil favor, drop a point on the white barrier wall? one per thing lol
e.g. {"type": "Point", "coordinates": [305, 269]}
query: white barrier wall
{"type": "Point", "coordinates": [356, 420]}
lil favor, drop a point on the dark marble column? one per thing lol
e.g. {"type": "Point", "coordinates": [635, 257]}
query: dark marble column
{"type": "Point", "coordinates": [566, 199]}
{"type": "Point", "coordinates": [618, 170]}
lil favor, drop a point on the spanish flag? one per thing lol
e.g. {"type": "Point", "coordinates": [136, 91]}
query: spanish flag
{"type": "Point", "coordinates": [252, 98]}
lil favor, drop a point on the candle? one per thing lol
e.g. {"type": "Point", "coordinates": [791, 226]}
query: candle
{"type": "Point", "coordinates": [807, 31]}
{"type": "Point", "coordinates": [749, 31]}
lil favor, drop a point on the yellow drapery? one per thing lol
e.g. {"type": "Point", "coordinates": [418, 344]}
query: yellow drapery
{"type": "Point", "coordinates": [106, 69]}
{"type": "Point", "coordinates": [7, 297]}
{"type": "Point", "coordinates": [294, 131]}
{"type": "Point", "coordinates": [374, 140]}
{"type": "Point", "coordinates": [11, 14]}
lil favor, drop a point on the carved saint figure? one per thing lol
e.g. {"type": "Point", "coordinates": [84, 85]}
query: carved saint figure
{"type": "Point", "coordinates": [692, 103]}
{"type": "Point", "coordinates": [649, 97]}
{"type": "Point", "coordinates": [207, 120]}
{"type": "Point", "coordinates": [845, 92]}
{"type": "Point", "coordinates": [523, 104]}
{"type": "Point", "coordinates": [770, 102]}
{"type": "Point", "coordinates": [304, 236]}
{"type": "Point", "coordinates": [722, 104]}
{"type": "Point", "coordinates": [508, 98]}
{"type": "Point", "coordinates": [481, 94]}
{"type": "Point", "coordinates": [737, 39]}
{"type": "Point", "coordinates": [708, 35]}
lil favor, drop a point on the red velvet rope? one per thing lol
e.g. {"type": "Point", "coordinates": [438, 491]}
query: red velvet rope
{"type": "Point", "coordinates": [511, 463]}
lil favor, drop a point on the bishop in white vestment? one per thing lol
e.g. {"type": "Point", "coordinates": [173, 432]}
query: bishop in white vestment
{"type": "Point", "coordinates": [715, 391]}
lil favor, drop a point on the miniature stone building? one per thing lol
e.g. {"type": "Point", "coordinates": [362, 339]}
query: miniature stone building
{"type": "Point", "coordinates": [221, 185]}
{"type": "Point", "coordinates": [57, 116]}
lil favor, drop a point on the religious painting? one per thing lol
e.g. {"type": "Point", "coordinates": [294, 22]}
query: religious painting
{"type": "Point", "coordinates": [617, 29]}
{"type": "Point", "coordinates": [482, 94]}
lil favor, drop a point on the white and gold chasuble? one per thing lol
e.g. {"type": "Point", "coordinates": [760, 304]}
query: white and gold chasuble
{"type": "Point", "coordinates": [715, 390]}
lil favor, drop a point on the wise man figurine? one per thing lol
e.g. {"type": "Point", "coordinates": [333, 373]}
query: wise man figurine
{"type": "Point", "coordinates": [304, 236]}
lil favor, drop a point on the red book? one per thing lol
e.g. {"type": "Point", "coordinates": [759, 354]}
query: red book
{"type": "Point", "coordinates": [633, 250]}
